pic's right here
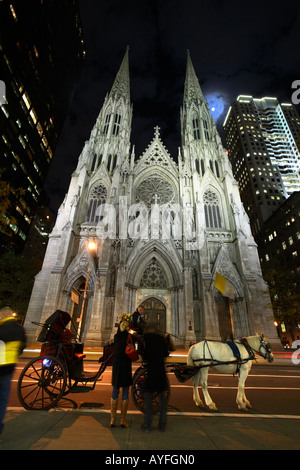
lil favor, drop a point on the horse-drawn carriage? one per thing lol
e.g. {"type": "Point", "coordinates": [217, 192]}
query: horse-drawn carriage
{"type": "Point", "coordinates": [60, 368]}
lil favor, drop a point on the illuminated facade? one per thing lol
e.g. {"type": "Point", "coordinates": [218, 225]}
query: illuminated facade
{"type": "Point", "coordinates": [165, 232]}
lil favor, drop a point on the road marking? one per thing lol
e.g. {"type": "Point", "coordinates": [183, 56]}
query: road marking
{"type": "Point", "coordinates": [108, 371]}
{"type": "Point", "coordinates": [108, 384]}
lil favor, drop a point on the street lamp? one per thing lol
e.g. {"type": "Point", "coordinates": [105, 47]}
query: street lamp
{"type": "Point", "coordinates": [91, 246]}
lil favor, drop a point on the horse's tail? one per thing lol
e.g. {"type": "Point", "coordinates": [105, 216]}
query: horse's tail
{"type": "Point", "coordinates": [190, 361]}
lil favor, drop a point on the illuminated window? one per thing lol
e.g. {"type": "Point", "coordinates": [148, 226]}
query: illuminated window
{"type": "Point", "coordinates": [26, 100]}
{"type": "Point", "coordinates": [35, 51]}
{"type": "Point", "coordinates": [33, 115]}
{"type": "Point", "coordinates": [39, 129]}
{"type": "Point", "coordinates": [13, 12]}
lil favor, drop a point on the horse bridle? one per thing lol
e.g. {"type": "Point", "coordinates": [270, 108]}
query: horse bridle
{"type": "Point", "coordinates": [262, 345]}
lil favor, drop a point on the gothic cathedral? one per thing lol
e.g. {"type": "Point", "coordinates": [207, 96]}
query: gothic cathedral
{"type": "Point", "coordinates": [166, 234]}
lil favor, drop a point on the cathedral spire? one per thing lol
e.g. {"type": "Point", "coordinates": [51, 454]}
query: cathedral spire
{"type": "Point", "coordinates": [121, 86]}
{"type": "Point", "coordinates": [192, 89]}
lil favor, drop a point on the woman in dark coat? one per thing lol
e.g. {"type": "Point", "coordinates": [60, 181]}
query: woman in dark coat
{"type": "Point", "coordinates": [121, 374]}
{"type": "Point", "coordinates": [154, 354]}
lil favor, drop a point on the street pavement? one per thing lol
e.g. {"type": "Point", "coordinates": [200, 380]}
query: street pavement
{"type": "Point", "coordinates": [186, 434]}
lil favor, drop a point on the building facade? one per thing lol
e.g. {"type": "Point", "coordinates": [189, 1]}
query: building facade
{"type": "Point", "coordinates": [279, 250]}
{"type": "Point", "coordinates": [163, 230]}
{"type": "Point", "coordinates": [261, 137]}
{"type": "Point", "coordinates": [41, 55]}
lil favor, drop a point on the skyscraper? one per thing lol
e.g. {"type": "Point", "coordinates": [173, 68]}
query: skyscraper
{"type": "Point", "coordinates": [165, 233]}
{"type": "Point", "coordinates": [41, 54]}
{"type": "Point", "coordinates": [261, 137]}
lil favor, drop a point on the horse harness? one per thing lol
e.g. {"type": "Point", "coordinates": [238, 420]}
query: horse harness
{"type": "Point", "coordinates": [238, 359]}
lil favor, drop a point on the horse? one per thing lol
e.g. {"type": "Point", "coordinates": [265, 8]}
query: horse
{"type": "Point", "coordinates": [229, 358]}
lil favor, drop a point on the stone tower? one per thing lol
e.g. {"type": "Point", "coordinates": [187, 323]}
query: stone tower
{"type": "Point", "coordinates": [164, 231]}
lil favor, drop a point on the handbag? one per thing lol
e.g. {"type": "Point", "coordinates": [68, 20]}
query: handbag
{"type": "Point", "coordinates": [130, 349]}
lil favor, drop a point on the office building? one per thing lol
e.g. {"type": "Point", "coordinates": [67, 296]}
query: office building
{"type": "Point", "coordinates": [261, 136]}
{"type": "Point", "coordinates": [41, 56]}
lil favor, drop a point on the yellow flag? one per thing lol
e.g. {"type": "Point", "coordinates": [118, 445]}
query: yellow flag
{"type": "Point", "coordinates": [224, 286]}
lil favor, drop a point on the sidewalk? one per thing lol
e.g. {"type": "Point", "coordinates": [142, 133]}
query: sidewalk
{"type": "Point", "coordinates": [89, 430]}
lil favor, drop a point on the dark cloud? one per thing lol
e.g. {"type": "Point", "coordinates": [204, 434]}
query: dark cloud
{"type": "Point", "coordinates": [236, 47]}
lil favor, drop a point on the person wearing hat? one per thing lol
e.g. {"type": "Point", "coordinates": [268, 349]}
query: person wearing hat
{"type": "Point", "coordinates": [12, 343]}
{"type": "Point", "coordinates": [121, 372]}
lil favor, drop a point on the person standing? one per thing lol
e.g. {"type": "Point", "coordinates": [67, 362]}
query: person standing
{"type": "Point", "coordinates": [154, 354]}
{"type": "Point", "coordinates": [12, 344]}
{"type": "Point", "coordinates": [138, 320]}
{"type": "Point", "coordinates": [121, 373]}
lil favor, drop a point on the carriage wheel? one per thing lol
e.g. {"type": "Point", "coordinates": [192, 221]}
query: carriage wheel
{"type": "Point", "coordinates": [42, 383]}
{"type": "Point", "coordinates": [138, 391]}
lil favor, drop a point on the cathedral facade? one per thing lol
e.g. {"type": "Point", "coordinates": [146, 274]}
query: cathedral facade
{"type": "Point", "coordinates": [164, 231]}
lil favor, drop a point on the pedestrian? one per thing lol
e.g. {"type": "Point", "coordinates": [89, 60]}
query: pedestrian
{"type": "Point", "coordinates": [155, 350]}
{"type": "Point", "coordinates": [12, 343]}
{"type": "Point", "coordinates": [138, 320]}
{"type": "Point", "coordinates": [121, 372]}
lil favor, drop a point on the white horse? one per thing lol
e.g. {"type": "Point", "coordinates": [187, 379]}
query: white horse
{"type": "Point", "coordinates": [229, 360]}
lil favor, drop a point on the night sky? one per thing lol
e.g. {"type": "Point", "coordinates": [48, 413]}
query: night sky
{"type": "Point", "coordinates": [237, 47]}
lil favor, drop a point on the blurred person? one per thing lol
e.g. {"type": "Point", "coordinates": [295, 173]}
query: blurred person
{"type": "Point", "coordinates": [155, 350]}
{"type": "Point", "coordinates": [12, 344]}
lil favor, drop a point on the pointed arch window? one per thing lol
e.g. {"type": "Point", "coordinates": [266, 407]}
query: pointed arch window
{"type": "Point", "coordinates": [106, 124]}
{"type": "Point", "coordinates": [212, 209]}
{"type": "Point", "coordinates": [153, 277]}
{"type": "Point", "coordinates": [116, 128]}
{"type": "Point", "coordinates": [98, 197]}
{"type": "Point", "coordinates": [206, 129]}
{"type": "Point", "coordinates": [202, 167]}
{"type": "Point", "coordinates": [94, 162]}
{"type": "Point", "coordinates": [196, 128]}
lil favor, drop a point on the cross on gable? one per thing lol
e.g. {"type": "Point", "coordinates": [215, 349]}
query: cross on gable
{"type": "Point", "coordinates": [156, 129]}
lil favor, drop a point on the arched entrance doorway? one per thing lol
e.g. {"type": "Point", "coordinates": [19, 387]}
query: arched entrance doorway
{"type": "Point", "coordinates": [224, 308]}
{"type": "Point", "coordinates": [155, 313]}
{"type": "Point", "coordinates": [79, 307]}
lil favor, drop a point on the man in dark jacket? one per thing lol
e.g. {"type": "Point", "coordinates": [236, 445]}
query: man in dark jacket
{"type": "Point", "coordinates": [154, 354]}
{"type": "Point", "coordinates": [12, 343]}
{"type": "Point", "coordinates": [138, 320]}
